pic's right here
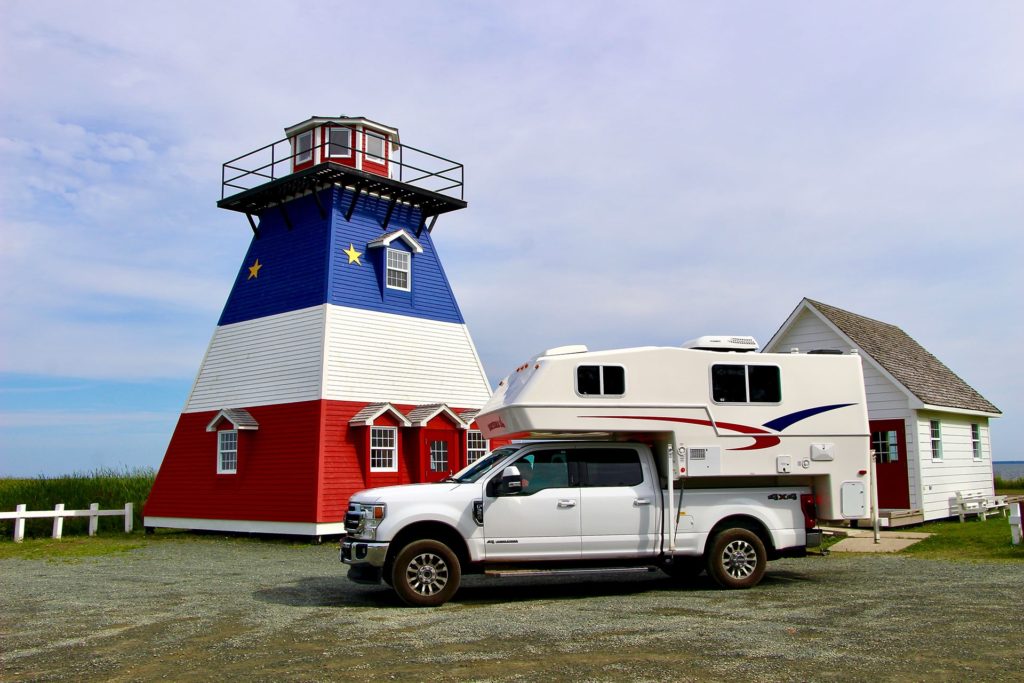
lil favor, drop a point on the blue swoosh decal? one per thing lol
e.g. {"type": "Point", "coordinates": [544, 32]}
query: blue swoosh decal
{"type": "Point", "coordinates": [780, 423]}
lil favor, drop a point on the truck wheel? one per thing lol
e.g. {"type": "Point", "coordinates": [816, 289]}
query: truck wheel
{"type": "Point", "coordinates": [736, 559]}
{"type": "Point", "coordinates": [426, 573]}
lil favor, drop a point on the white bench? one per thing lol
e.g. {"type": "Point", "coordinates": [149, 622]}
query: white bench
{"type": "Point", "coordinates": [980, 503]}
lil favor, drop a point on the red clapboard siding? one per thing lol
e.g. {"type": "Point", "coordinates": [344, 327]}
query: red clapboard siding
{"type": "Point", "coordinates": [277, 468]}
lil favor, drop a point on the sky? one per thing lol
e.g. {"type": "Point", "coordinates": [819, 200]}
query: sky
{"type": "Point", "coordinates": [637, 174]}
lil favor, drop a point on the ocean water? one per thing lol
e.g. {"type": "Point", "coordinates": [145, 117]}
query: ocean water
{"type": "Point", "coordinates": [1008, 469]}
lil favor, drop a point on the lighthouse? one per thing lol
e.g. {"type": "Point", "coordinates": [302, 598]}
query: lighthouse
{"type": "Point", "coordinates": [341, 360]}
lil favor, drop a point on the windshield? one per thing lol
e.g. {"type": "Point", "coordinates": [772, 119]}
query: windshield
{"type": "Point", "coordinates": [484, 465]}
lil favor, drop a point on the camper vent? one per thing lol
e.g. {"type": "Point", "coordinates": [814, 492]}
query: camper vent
{"type": "Point", "coordinates": [698, 453]}
{"type": "Point", "coordinates": [565, 350]}
{"type": "Point", "coordinates": [716, 343]}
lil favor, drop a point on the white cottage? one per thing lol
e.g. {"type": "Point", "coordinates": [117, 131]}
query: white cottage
{"type": "Point", "coordinates": [929, 427]}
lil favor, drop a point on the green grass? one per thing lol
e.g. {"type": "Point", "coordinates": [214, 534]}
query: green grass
{"type": "Point", "coordinates": [972, 540]}
{"type": "Point", "coordinates": [1009, 486]}
{"type": "Point", "coordinates": [108, 487]}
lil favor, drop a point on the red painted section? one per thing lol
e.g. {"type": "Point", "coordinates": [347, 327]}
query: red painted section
{"type": "Point", "coordinates": [301, 465]}
{"type": "Point", "coordinates": [893, 480]}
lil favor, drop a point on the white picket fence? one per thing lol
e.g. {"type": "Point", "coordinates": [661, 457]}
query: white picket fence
{"type": "Point", "coordinates": [58, 513]}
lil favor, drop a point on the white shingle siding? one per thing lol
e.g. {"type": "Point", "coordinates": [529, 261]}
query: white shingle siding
{"type": "Point", "coordinates": [341, 354]}
{"type": "Point", "coordinates": [372, 356]}
{"type": "Point", "coordinates": [266, 361]}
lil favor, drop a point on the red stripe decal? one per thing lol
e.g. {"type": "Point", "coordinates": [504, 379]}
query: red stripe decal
{"type": "Point", "coordinates": [766, 441]}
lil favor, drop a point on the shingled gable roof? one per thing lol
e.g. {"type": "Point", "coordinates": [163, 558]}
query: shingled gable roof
{"type": "Point", "coordinates": [921, 373]}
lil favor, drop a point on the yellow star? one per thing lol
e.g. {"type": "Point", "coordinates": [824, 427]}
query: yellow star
{"type": "Point", "coordinates": [353, 255]}
{"type": "Point", "coordinates": [254, 270]}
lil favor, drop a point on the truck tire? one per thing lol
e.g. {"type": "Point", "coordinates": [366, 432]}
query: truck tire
{"type": "Point", "coordinates": [426, 573]}
{"type": "Point", "coordinates": [736, 559]}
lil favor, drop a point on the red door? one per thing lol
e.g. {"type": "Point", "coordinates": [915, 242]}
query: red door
{"type": "Point", "coordinates": [888, 439]}
{"type": "Point", "coordinates": [438, 454]}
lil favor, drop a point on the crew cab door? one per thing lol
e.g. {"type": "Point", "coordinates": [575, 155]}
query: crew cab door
{"type": "Point", "coordinates": [542, 520]}
{"type": "Point", "coordinates": [618, 503]}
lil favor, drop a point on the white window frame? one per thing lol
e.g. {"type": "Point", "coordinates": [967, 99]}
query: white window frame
{"type": "Point", "coordinates": [303, 157]}
{"type": "Point", "coordinates": [439, 447]}
{"type": "Point", "coordinates": [480, 450]}
{"type": "Point", "coordinates": [386, 449]}
{"type": "Point", "coordinates": [388, 268]}
{"type": "Point", "coordinates": [349, 146]}
{"type": "Point", "coordinates": [381, 159]}
{"type": "Point", "coordinates": [935, 436]}
{"type": "Point", "coordinates": [223, 453]}
{"type": "Point", "coordinates": [976, 441]}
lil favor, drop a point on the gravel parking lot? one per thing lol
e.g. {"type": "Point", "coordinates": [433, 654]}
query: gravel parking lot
{"type": "Point", "coordinates": [211, 608]}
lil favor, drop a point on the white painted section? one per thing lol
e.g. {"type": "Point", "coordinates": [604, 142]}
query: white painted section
{"type": "Point", "coordinates": [248, 526]}
{"type": "Point", "coordinates": [957, 470]}
{"type": "Point", "coordinates": [270, 360]}
{"type": "Point", "coordinates": [373, 356]}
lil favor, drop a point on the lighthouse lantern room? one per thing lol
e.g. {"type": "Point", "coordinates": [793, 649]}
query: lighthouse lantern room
{"type": "Point", "coordinates": [341, 359]}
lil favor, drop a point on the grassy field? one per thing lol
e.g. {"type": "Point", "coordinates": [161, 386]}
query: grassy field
{"type": "Point", "coordinates": [973, 540]}
{"type": "Point", "coordinates": [110, 488]}
{"type": "Point", "coordinates": [1009, 486]}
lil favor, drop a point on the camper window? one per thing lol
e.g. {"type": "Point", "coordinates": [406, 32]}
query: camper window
{"type": "Point", "coordinates": [600, 380]}
{"type": "Point", "coordinates": [745, 384]}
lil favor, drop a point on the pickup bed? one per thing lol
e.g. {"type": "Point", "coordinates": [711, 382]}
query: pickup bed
{"type": "Point", "coordinates": [568, 506]}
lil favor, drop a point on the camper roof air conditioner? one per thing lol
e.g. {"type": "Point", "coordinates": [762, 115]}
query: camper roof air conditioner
{"type": "Point", "coordinates": [565, 350]}
{"type": "Point", "coordinates": [719, 343]}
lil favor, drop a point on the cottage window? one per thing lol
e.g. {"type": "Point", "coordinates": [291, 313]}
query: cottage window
{"type": "Point", "coordinates": [304, 147]}
{"type": "Point", "coordinates": [936, 439]}
{"type": "Point", "coordinates": [746, 384]}
{"type": "Point", "coordinates": [885, 447]}
{"type": "Point", "coordinates": [399, 269]}
{"type": "Point", "coordinates": [227, 451]}
{"type": "Point", "coordinates": [383, 449]}
{"type": "Point", "coordinates": [339, 143]}
{"type": "Point", "coordinates": [374, 147]}
{"type": "Point", "coordinates": [976, 441]}
{"type": "Point", "coordinates": [600, 380]}
{"type": "Point", "coordinates": [438, 456]}
{"type": "Point", "coordinates": [476, 446]}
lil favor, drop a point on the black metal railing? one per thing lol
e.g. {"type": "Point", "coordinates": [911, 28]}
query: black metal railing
{"type": "Point", "coordinates": [407, 164]}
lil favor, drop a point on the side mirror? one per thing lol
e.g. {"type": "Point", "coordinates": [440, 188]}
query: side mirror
{"type": "Point", "coordinates": [511, 481]}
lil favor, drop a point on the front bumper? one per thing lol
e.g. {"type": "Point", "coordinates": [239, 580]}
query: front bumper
{"type": "Point", "coordinates": [365, 559]}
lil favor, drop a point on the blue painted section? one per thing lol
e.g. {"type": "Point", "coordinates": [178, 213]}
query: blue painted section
{"type": "Point", "coordinates": [306, 265]}
{"type": "Point", "coordinates": [780, 423]}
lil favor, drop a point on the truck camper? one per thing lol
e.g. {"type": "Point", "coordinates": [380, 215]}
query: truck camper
{"type": "Point", "coordinates": [706, 457]}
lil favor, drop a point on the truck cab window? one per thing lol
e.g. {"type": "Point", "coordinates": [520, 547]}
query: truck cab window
{"type": "Point", "coordinates": [611, 467]}
{"type": "Point", "coordinates": [543, 470]}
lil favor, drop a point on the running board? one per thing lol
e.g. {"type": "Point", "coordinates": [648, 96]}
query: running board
{"type": "Point", "coordinates": [582, 570]}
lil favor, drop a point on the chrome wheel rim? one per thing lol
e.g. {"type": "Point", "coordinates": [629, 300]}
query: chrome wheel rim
{"type": "Point", "coordinates": [427, 574]}
{"type": "Point", "coordinates": [739, 559]}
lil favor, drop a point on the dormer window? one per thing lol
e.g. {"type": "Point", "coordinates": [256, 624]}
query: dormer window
{"type": "Point", "coordinates": [227, 451]}
{"type": "Point", "coordinates": [399, 270]}
{"type": "Point", "coordinates": [304, 147]}
{"type": "Point", "coordinates": [339, 143]}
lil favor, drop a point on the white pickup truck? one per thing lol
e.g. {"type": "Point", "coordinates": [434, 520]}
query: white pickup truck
{"type": "Point", "coordinates": [594, 506]}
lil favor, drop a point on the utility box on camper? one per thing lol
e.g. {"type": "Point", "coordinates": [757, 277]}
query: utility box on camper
{"type": "Point", "coordinates": [701, 458]}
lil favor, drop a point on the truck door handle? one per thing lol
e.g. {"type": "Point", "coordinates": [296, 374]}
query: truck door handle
{"type": "Point", "coordinates": [567, 503]}
{"type": "Point", "coordinates": [641, 501]}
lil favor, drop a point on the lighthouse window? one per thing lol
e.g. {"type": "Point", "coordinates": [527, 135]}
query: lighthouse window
{"type": "Point", "coordinates": [383, 449]}
{"type": "Point", "coordinates": [304, 147]}
{"type": "Point", "coordinates": [399, 269]}
{"type": "Point", "coordinates": [374, 147]}
{"type": "Point", "coordinates": [227, 451]}
{"type": "Point", "coordinates": [600, 380]}
{"type": "Point", "coordinates": [339, 143]}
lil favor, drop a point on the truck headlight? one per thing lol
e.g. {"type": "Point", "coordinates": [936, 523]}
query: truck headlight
{"type": "Point", "coordinates": [372, 516]}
